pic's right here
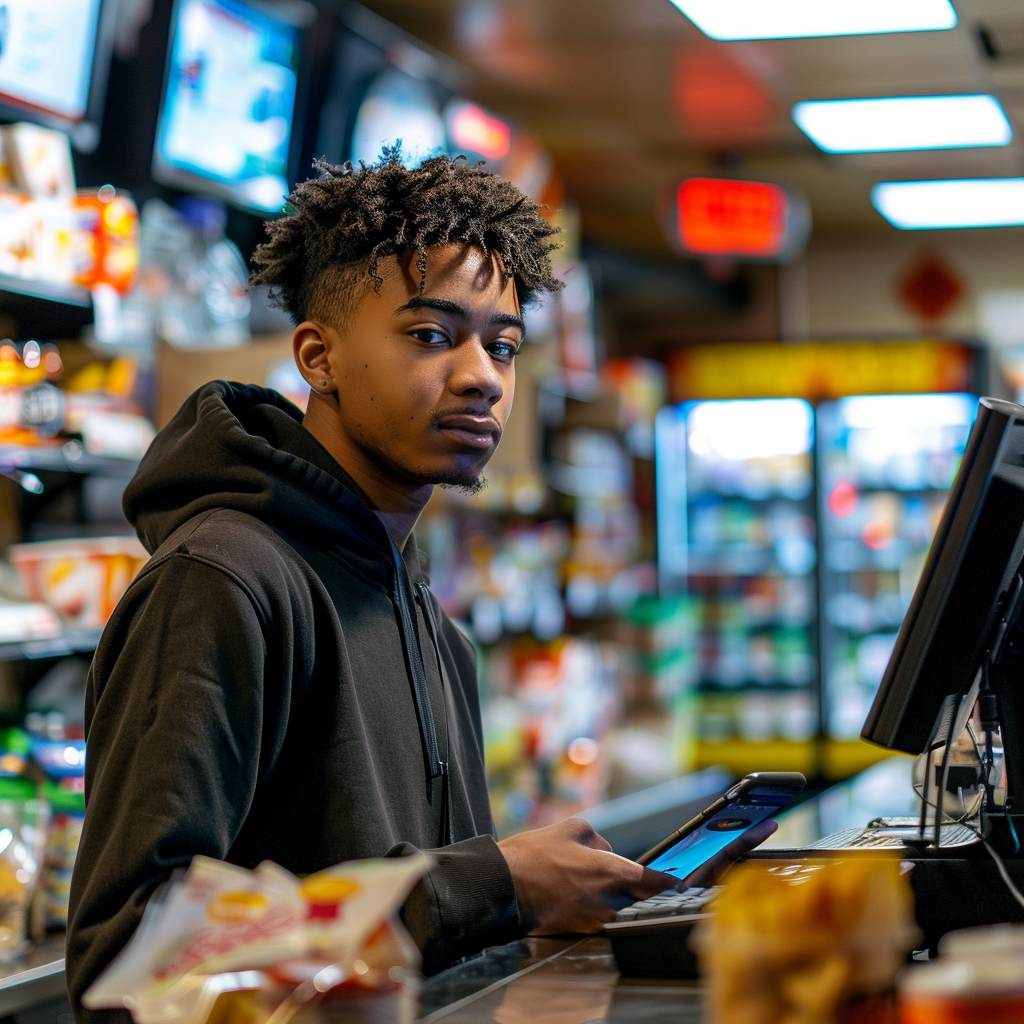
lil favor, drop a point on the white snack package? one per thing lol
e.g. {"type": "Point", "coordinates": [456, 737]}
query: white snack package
{"type": "Point", "coordinates": [221, 919]}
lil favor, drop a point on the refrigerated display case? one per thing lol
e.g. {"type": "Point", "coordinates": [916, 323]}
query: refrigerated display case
{"type": "Point", "coordinates": [736, 531]}
{"type": "Point", "coordinates": [885, 464]}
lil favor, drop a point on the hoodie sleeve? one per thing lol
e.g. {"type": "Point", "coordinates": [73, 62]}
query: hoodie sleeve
{"type": "Point", "coordinates": [466, 903]}
{"type": "Point", "coordinates": [174, 714]}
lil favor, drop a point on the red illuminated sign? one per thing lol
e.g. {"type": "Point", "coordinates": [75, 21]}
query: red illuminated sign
{"type": "Point", "coordinates": [723, 217]}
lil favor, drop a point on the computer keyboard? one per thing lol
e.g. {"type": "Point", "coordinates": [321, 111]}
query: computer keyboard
{"type": "Point", "coordinates": [890, 833]}
{"type": "Point", "coordinates": [651, 938]}
{"type": "Point", "coordinates": [668, 905]}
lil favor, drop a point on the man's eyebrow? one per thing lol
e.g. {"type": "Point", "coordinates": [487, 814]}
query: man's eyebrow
{"type": "Point", "coordinates": [457, 309]}
{"type": "Point", "coordinates": [508, 320]}
{"type": "Point", "coordinates": [442, 305]}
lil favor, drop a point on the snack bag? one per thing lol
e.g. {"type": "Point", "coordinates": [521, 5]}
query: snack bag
{"type": "Point", "coordinates": [809, 943]}
{"type": "Point", "coordinates": [211, 932]}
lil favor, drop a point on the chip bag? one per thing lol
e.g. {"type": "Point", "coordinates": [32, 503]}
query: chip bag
{"type": "Point", "coordinates": [221, 928]}
{"type": "Point", "coordinates": [816, 942]}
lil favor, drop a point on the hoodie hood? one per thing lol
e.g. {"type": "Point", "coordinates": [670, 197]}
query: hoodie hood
{"type": "Point", "coordinates": [243, 447]}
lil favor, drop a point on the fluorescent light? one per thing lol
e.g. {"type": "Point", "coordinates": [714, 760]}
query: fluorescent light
{"type": "Point", "coordinates": [964, 203]}
{"type": "Point", "coordinates": [786, 19]}
{"type": "Point", "coordinates": [904, 122]}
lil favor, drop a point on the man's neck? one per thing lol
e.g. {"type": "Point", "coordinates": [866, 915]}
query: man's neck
{"type": "Point", "coordinates": [398, 505]}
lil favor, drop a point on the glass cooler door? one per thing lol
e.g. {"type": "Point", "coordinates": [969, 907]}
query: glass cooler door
{"type": "Point", "coordinates": [736, 531]}
{"type": "Point", "coordinates": [885, 464]}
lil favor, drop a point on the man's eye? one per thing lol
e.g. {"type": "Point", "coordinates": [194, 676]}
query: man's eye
{"type": "Point", "coordinates": [504, 349]}
{"type": "Point", "coordinates": [429, 336]}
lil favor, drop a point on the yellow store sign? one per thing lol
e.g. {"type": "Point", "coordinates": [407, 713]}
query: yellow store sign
{"type": "Point", "coordinates": [818, 370]}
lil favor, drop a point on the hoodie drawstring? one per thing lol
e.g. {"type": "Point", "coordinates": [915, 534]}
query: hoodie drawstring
{"type": "Point", "coordinates": [428, 613]}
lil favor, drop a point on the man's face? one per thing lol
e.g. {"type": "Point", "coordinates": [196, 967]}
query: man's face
{"type": "Point", "coordinates": [424, 380]}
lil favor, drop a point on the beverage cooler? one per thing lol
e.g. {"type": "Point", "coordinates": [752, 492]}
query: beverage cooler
{"type": "Point", "coordinates": [798, 528]}
{"type": "Point", "coordinates": [885, 463]}
{"type": "Point", "coordinates": [736, 514]}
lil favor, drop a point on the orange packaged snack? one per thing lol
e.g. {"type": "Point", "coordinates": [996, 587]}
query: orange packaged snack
{"type": "Point", "coordinates": [238, 943]}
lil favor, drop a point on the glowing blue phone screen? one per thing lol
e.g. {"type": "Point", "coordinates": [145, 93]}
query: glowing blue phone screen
{"type": "Point", "coordinates": [717, 833]}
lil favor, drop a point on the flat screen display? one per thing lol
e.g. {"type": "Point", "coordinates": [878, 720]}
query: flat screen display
{"type": "Point", "coordinates": [46, 55]}
{"type": "Point", "coordinates": [229, 101]}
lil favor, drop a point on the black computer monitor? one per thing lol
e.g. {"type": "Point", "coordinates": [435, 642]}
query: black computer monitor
{"type": "Point", "coordinates": [54, 63]}
{"type": "Point", "coordinates": [227, 116]}
{"type": "Point", "coordinates": [958, 615]}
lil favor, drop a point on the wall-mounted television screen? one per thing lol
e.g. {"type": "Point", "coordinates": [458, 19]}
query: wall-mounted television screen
{"type": "Point", "coordinates": [229, 102]}
{"type": "Point", "coordinates": [54, 56]}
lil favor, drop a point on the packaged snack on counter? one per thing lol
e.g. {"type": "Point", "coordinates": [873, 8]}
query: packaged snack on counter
{"type": "Point", "coordinates": [224, 929]}
{"type": "Point", "coordinates": [816, 942]}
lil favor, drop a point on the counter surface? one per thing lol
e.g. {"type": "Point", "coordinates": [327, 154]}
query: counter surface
{"type": "Point", "coordinates": [555, 981]}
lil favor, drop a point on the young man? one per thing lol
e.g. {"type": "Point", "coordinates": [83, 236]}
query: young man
{"type": "Point", "coordinates": [279, 683]}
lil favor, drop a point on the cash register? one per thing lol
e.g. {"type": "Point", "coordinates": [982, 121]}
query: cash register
{"type": "Point", "coordinates": [956, 670]}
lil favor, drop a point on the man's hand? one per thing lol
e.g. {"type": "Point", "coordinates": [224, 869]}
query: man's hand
{"type": "Point", "coordinates": [568, 880]}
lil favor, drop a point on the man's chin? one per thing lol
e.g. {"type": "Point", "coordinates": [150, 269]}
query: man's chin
{"type": "Point", "coordinates": [468, 485]}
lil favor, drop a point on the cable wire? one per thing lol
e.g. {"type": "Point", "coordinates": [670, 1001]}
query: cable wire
{"type": "Point", "coordinates": [1000, 865]}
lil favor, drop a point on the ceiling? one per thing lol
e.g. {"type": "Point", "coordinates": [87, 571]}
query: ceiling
{"type": "Point", "coordinates": [629, 96]}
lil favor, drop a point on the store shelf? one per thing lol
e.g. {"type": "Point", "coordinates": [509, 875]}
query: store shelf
{"type": "Point", "coordinates": [68, 458]}
{"type": "Point", "coordinates": [72, 641]}
{"type": "Point", "coordinates": [71, 295]}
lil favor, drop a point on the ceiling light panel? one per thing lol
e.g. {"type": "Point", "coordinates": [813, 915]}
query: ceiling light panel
{"type": "Point", "coordinates": [903, 123]}
{"type": "Point", "coordinates": [788, 19]}
{"type": "Point", "coordinates": [959, 203]}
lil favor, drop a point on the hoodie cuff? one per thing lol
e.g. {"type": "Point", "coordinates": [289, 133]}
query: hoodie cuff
{"type": "Point", "coordinates": [465, 903]}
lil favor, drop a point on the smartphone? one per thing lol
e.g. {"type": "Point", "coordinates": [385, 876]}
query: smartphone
{"type": "Point", "coordinates": [753, 799]}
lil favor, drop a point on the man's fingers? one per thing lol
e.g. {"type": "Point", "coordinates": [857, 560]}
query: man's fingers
{"type": "Point", "coordinates": [650, 883]}
{"type": "Point", "coordinates": [711, 871]}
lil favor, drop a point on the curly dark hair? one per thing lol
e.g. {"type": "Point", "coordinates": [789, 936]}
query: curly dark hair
{"type": "Point", "coordinates": [344, 220]}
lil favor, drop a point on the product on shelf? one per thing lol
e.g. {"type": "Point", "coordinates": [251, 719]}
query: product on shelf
{"type": "Point", "coordinates": [193, 279]}
{"type": "Point", "coordinates": [547, 711]}
{"type": "Point", "coordinates": [32, 408]}
{"type": "Point", "coordinates": [103, 408]}
{"type": "Point", "coordinates": [39, 160]}
{"type": "Point", "coordinates": [28, 621]}
{"type": "Point", "coordinates": [23, 826]}
{"type": "Point", "coordinates": [67, 814]}
{"type": "Point", "coordinates": [82, 580]}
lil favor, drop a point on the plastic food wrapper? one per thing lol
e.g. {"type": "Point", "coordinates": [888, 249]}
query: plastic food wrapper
{"type": "Point", "coordinates": [245, 941]}
{"type": "Point", "coordinates": [82, 580]}
{"type": "Point", "coordinates": [809, 943]}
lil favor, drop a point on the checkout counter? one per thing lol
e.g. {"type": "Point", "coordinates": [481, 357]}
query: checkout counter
{"type": "Point", "coordinates": [545, 980]}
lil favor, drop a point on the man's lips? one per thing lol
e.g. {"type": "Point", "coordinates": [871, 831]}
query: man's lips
{"type": "Point", "coordinates": [471, 430]}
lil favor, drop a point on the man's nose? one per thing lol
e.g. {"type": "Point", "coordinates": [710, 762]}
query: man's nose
{"type": "Point", "coordinates": [474, 373]}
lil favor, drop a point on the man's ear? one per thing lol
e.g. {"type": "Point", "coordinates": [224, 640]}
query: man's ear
{"type": "Point", "coordinates": [310, 344]}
